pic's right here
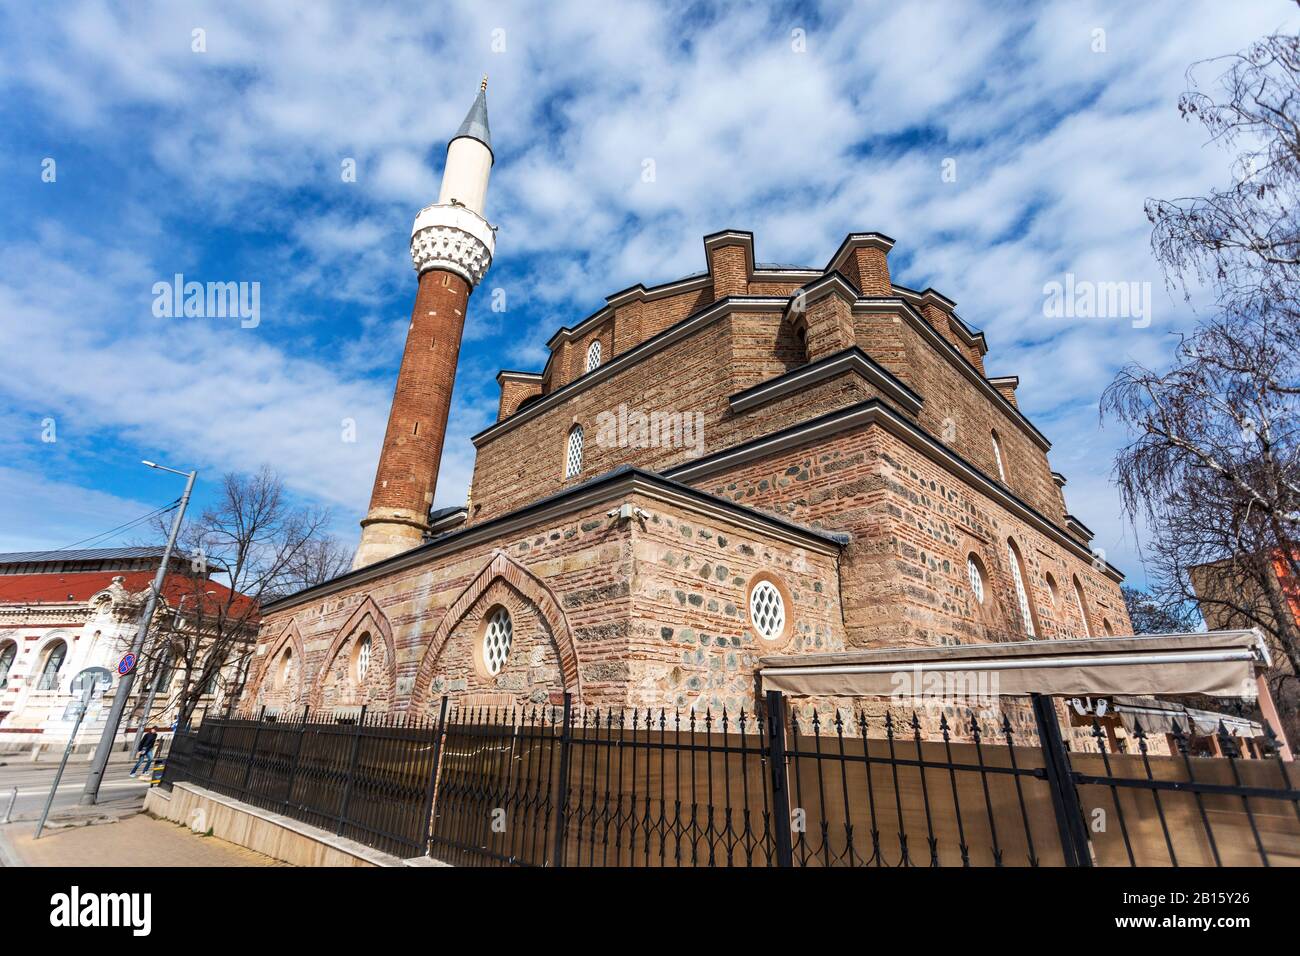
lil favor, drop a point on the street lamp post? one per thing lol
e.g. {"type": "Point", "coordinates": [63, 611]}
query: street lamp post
{"type": "Point", "coordinates": [90, 794]}
{"type": "Point", "coordinates": [157, 676]}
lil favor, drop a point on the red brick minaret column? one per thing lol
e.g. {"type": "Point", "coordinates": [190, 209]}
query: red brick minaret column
{"type": "Point", "coordinates": [451, 246]}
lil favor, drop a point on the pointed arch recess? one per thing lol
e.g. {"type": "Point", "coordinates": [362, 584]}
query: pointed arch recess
{"type": "Point", "coordinates": [367, 616]}
{"type": "Point", "coordinates": [290, 635]}
{"type": "Point", "coordinates": [503, 568]}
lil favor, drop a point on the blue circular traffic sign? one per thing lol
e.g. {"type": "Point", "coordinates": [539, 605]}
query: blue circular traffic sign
{"type": "Point", "coordinates": [126, 664]}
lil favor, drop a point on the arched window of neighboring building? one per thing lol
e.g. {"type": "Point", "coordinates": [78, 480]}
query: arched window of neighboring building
{"type": "Point", "coordinates": [1083, 607]}
{"type": "Point", "coordinates": [997, 456]}
{"type": "Point", "coordinates": [164, 678]}
{"type": "Point", "coordinates": [53, 663]}
{"type": "Point", "coordinates": [975, 573]}
{"type": "Point", "coordinates": [573, 454]}
{"type": "Point", "coordinates": [7, 654]}
{"type": "Point", "coordinates": [593, 355]}
{"type": "Point", "coordinates": [1018, 578]}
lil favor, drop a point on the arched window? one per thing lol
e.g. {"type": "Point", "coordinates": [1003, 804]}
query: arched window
{"type": "Point", "coordinates": [497, 637]}
{"type": "Point", "coordinates": [363, 658]}
{"type": "Point", "coordinates": [1022, 591]}
{"type": "Point", "coordinates": [164, 678]}
{"type": "Point", "coordinates": [7, 654]}
{"type": "Point", "coordinates": [1052, 591]}
{"type": "Point", "coordinates": [1106, 629]}
{"type": "Point", "coordinates": [1083, 607]}
{"type": "Point", "coordinates": [286, 660]}
{"type": "Point", "coordinates": [53, 662]}
{"type": "Point", "coordinates": [593, 355]}
{"type": "Point", "coordinates": [997, 456]}
{"type": "Point", "coordinates": [975, 573]}
{"type": "Point", "coordinates": [573, 455]}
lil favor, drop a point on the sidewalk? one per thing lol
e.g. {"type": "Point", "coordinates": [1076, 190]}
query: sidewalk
{"type": "Point", "coordinates": [136, 840]}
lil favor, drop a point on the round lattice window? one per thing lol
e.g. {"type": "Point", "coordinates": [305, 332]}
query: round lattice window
{"type": "Point", "coordinates": [496, 641]}
{"type": "Point", "coordinates": [767, 610]}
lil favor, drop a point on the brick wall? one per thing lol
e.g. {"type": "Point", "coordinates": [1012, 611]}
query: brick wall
{"type": "Point", "coordinates": [654, 614]}
{"type": "Point", "coordinates": [417, 423]}
{"type": "Point", "coordinates": [903, 578]}
{"type": "Point", "coordinates": [696, 375]}
{"type": "Point", "coordinates": [699, 373]}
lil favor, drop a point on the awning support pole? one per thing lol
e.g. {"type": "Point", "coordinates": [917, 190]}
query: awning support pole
{"type": "Point", "coordinates": [1269, 709]}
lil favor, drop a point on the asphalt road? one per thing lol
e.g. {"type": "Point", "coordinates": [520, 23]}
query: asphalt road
{"type": "Point", "coordinates": [33, 781]}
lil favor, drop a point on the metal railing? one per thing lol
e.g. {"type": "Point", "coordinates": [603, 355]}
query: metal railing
{"type": "Point", "coordinates": [560, 786]}
{"type": "Point", "coordinates": [368, 778]}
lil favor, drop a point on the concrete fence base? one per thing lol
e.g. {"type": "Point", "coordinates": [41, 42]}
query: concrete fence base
{"type": "Point", "coordinates": [277, 836]}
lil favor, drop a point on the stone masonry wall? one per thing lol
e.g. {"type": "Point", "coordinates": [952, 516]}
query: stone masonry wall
{"type": "Point", "coordinates": [904, 577]}
{"type": "Point", "coordinates": [694, 644]}
{"type": "Point", "coordinates": [654, 614]}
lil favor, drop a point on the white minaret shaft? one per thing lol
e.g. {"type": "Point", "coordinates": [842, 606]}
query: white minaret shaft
{"type": "Point", "coordinates": [452, 234]}
{"type": "Point", "coordinates": [469, 159]}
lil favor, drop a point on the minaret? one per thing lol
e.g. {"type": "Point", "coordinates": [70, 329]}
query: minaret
{"type": "Point", "coordinates": [451, 246]}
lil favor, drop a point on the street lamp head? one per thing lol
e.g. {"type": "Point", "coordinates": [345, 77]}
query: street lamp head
{"type": "Point", "coordinates": [149, 463]}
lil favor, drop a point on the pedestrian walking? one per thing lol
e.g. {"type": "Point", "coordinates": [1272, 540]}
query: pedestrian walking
{"type": "Point", "coordinates": [145, 753]}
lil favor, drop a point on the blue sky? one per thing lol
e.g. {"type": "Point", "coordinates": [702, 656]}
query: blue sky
{"type": "Point", "coordinates": [224, 165]}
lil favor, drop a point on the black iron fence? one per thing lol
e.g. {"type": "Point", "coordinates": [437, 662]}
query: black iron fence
{"type": "Point", "coordinates": [548, 786]}
{"type": "Point", "coordinates": [368, 777]}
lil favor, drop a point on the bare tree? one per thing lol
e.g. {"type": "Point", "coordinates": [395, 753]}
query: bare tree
{"type": "Point", "coordinates": [249, 548]}
{"type": "Point", "coordinates": [1214, 464]}
{"type": "Point", "coordinates": [1149, 615]}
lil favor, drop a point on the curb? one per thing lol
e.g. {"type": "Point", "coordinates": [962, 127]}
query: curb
{"type": "Point", "coordinates": [8, 858]}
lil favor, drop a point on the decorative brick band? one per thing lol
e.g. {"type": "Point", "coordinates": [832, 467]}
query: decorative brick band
{"type": "Point", "coordinates": [503, 568]}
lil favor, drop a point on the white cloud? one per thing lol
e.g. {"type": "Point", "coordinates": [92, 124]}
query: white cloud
{"type": "Point", "coordinates": [1056, 146]}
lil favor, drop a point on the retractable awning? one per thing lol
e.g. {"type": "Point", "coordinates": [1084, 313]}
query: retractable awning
{"type": "Point", "coordinates": [1163, 716]}
{"type": "Point", "coordinates": [1218, 663]}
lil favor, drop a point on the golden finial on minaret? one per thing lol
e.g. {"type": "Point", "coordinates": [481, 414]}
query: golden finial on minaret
{"type": "Point", "coordinates": [482, 87]}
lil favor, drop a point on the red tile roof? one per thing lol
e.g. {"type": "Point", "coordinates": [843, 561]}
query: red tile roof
{"type": "Point", "coordinates": [80, 586]}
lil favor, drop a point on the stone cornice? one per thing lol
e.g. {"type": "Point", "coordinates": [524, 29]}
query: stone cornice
{"type": "Point", "coordinates": [852, 360]}
{"type": "Point", "coordinates": [897, 306]}
{"type": "Point", "coordinates": [877, 412]}
{"type": "Point", "coordinates": [611, 485]}
{"type": "Point", "coordinates": [44, 614]}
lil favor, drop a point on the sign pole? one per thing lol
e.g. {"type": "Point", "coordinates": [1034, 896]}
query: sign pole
{"type": "Point", "coordinates": [96, 776]}
{"type": "Point", "coordinates": [92, 679]}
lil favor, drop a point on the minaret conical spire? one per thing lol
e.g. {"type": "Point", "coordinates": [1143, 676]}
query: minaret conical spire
{"type": "Point", "coordinates": [476, 120]}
